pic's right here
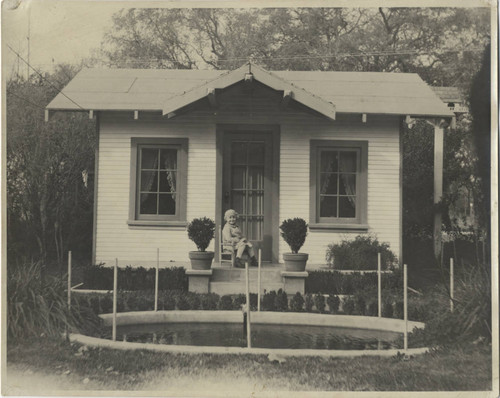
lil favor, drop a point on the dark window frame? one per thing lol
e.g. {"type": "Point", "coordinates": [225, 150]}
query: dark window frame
{"type": "Point", "coordinates": [360, 221]}
{"type": "Point", "coordinates": [142, 220]}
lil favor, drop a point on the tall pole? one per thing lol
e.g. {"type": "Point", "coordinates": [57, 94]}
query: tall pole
{"type": "Point", "coordinates": [259, 282]}
{"type": "Point", "coordinates": [115, 286]}
{"type": "Point", "coordinates": [405, 300]}
{"type": "Point", "coordinates": [156, 277]}
{"type": "Point", "coordinates": [451, 284]}
{"type": "Point", "coordinates": [438, 187]}
{"type": "Point", "coordinates": [249, 335]}
{"type": "Point", "coordinates": [28, 37]}
{"type": "Point", "coordinates": [379, 287]}
{"type": "Point", "coordinates": [69, 280]}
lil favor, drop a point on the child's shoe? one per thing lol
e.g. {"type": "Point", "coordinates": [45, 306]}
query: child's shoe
{"type": "Point", "coordinates": [253, 262]}
{"type": "Point", "coordinates": [238, 263]}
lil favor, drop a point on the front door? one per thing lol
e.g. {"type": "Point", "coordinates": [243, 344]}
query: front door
{"type": "Point", "coordinates": [247, 185]}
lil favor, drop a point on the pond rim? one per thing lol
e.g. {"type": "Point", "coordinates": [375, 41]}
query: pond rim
{"type": "Point", "coordinates": [263, 317]}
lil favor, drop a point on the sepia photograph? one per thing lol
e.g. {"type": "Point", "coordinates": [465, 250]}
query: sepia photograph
{"type": "Point", "coordinates": [249, 199]}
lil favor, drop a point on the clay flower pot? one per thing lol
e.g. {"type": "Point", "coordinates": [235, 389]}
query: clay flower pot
{"type": "Point", "coordinates": [201, 260]}
{"type": "Point", "coordinates": [295, 262]}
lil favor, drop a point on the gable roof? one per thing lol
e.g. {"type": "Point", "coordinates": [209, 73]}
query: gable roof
{"type": "Point", "coordinates": [330, 92]}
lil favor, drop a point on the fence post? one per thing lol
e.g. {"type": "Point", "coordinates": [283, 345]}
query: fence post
{"type": "Point", "coordinates": [69, 280]}
{"type": "Point", "coordinates": [115, 286]}
{"type": "Point", "coordinates": [452, 282]}
{"type": "Point", "coordinates": [405, 301]}
{"type": "Point", "coordinates": [156, 277]}
{"type": "Point", "coordinates": [259, 282]}
{"type": "Point", "coordinates": [249, 335]}
{"type": "Point", "coordinates": [379, 288]}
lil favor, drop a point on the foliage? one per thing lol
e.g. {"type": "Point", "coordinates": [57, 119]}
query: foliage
{"type": "Point", "coordinates": [281, 301]}
{"type": "Point", "coordinates": [294, 232]}
{"type": "Point", "coordinates": [268, 301]}
{"type": "Point", "coordinates": [309, 302]}
{"type": "Point", "coordinates": [209, 301]}
{"type": "Point", "coordinates": [39, 307]}
{"type": "Point", "coordinates": [297, 303]}
{"type": "Point", "coordinates": [348, 305]}
{"type": "Point", "coordinates": [333, 304]}
{"type": "Point", "coordinates": [201, 231]}
{"type": "Point", "coordinates": [360, 253]}
{"type": "Point", "coordinates": [226, 302]}
{"type": "Point", "coordinates": [99, 277]}
{"type": "Point", "coordinates": [319, 302]}
{"type": "Point", "coordinates": [49, 173]}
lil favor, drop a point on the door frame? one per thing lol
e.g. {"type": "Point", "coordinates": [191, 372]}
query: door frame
{"type": "Point", "coordinates": [274, 130]}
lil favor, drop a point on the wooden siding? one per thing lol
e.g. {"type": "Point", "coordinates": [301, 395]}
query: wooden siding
{"type": "Point", "coordinates": [136, 246]}
{"type": "Point", "coordinates": [115, 239]}
{"type": "Point", "coordinates": [383, 215]}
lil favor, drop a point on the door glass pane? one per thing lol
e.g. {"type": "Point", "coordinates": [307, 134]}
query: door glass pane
{"type": "Point", "coordinates": [256, 153]}
{"type": "Point", "coordinates": [239, 152]}
{"type": "Point", "coordinates": [149, 158]}
{"type": "Point", "coordinates": [255, 202]}
{"type": "Point", "coordinates": [148, 203]}
{"type": "Point", "coordinates": [347, 184]}
{"type": "Point", "coordinates": [166, 204]}
{"type": "Point", "coordinates": [168, 181]}
{"type": "Point", "coordinates": [168, 159]}
{"type": "Point", "coordinates": [238, 202]}
{"type": "Point", "coordinates": [256, 177]}
{"type": "Point", "coordinates": [149, 181]}
{"type": "Point", "coordinates": [329, 161]}
{"type": "Point", "coordinates": [347, 206]}
{"type": "Point", "coordinates": [238, 177]}
{"type": "Point", "coordinates": [348, 161]}
{"type": "Point", "coordinates": [328, 206]}
{"type": "Point", "coordinates": [328, 184]}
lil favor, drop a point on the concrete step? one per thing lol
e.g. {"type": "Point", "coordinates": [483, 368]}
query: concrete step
{"type": "Point", "coordinates": [237, 287]}
{"type": "Point", "coordinates": [238, 275]}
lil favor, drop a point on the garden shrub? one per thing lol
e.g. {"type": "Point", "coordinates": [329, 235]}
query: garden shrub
{"type": "Point", "coordinates": [387, 309]}
{"type": "Point", "coordinates": [166, 302]}
{"type": "Point", "coordinates": [209, 301]}
{"type": "Point", "coordinates": [201, 231]}
{"type": "Point", "coordinates": [253, 301]}
{"type": "Point", "coordinates": [319, 302]}
{"type": "Point", "coordinates": [38, 306]}
{"type": "Point", "coordinates": [182, 302]}
{"type": "Point", "coordinates": [226, 302]}
{"type": "Point", "coordinates": [360, 254]}
{"type": "Point", "coordinates": [334, 282]}
{"type": "Point", "coordinates": [297, 303]}
{"type": "Point", "coordinates": [194, 301]}
{"type": "Point", "coordinates": [99, 277]}
{"type": "Point", "coordinates": [372, 309]}
{"type": "Point", "coordinates": [294, 232]}
{"type": "Point", "coordinates": [399, 310]}
{"type": "Point", "coordinates": [239, 301]}
{"type": "Point", "coordinates": [348, 305]}
{"type": "Point", "coordinates": [359, 305]}
{"type": "Point", "coordinates": [268, 301]}
{"type": "Point", "coordinates": [333, 304]}
{"type": "Point", "coordinates": [281, 301]}
{"type": "Point", "coordinates": [309, 302]}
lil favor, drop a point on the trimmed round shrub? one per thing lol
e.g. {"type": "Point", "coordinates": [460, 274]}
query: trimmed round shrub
{"type": "Point", "coordinates": [319, 302]}
{"type": "Point", "coordinates": [209, 301]}
{"type": "Point", "coordinates": [239, 301]}
{"type": "Point", "coordinates": [348, 306]}
{"type": "Point", "coordinates": [268, 301]}
{"type": "Point", "coordinates": [294, 232]}
{"type": "Point", "coordinates": [359, 305]}
{"type": "Point", "coordinates": [297, 302]}
{"type": "Point", "coordinates": [182, 302]}
{"type": "Point", "coordinates": [372, 309]}
{"type": "Point", "coordinates": [201, 231]}
{"type": "Point", "coordinates": [333, 304]}
{"type": "Point", "coordinates": [226, 302]}
{"type": "Point", "coordinates": [281, 301]}
{"type": "Point", "coordinates": [387, 309]}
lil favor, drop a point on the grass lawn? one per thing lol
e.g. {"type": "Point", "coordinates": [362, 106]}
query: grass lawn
{"type": "Point", "coordinates": [62, 366]}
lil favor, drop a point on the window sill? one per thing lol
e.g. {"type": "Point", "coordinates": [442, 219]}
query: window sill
{"type": "Point", "coordinates": [339, 227]}
{"type": "Point", "coordinates": [150, 224]}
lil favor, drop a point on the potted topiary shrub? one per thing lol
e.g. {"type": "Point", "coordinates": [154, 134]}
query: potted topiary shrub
{"type": "Point", "coordinates": [294, 232]}
{"type": "Point", "coordinates": [201, 231]}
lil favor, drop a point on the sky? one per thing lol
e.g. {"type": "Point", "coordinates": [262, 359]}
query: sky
{"type": "Point", "coordinates": [60, 32]}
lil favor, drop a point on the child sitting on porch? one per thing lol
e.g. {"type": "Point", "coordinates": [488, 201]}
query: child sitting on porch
{"type": "Point", "coordinates": [232, 239]}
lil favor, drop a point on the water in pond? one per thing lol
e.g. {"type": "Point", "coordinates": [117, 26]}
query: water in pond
{"type": "Point", "coordinates": [263, 336]}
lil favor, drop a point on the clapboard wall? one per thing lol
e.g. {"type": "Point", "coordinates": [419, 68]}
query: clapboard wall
{"type": "Point", "coordinates": [137, 246]}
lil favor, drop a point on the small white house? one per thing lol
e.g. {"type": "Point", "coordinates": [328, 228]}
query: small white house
{"type": "Point", "coordinates": [179, 144]}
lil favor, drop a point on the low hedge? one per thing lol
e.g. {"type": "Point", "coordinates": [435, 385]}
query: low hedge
{"type": "Point", "coordinates": [359, 304]}
{"type": "Point", "coordinates": [99, 277]}
{"type": "Point", "coordinates": [335, 282]}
